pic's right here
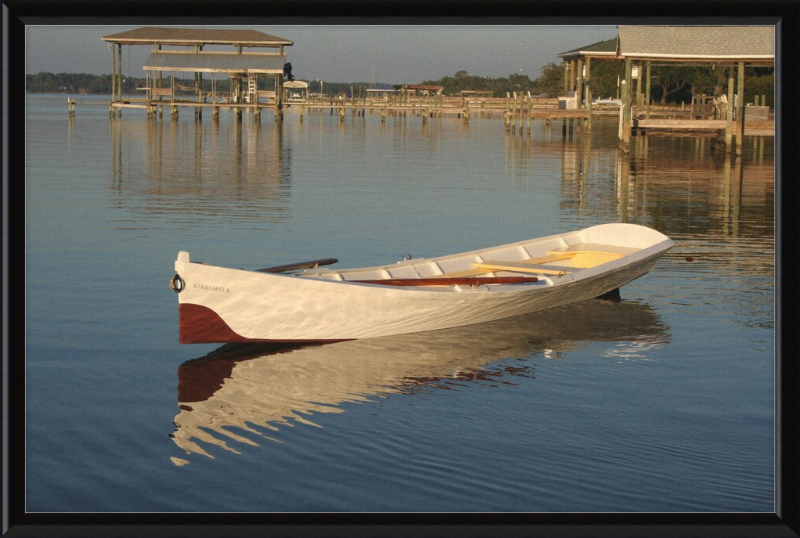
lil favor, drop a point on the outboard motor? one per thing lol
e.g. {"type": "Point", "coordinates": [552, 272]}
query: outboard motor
{"type": "Point", "coordinates": [287, 71]}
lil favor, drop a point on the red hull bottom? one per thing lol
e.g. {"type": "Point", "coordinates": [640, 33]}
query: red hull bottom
{"type": "Point", "coordinates": [201, 325]}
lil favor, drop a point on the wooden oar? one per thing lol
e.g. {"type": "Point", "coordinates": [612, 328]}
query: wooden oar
{"type": "Point", "coordinates": [450, 281]}
{"type": "Point", "coordinates": [313, 264]}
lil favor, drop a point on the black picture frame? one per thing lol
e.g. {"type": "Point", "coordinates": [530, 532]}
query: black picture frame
{"type": "Point", "coordinates": [785, 15]}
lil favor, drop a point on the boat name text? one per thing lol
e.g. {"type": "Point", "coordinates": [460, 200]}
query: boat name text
{"type": "Point", "coordinates": [206, 287]}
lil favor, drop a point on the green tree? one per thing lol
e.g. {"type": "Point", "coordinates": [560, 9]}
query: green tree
{"type": "Point", "coordinates": [604, 78]}
{"type": "Point", "coordinates": [672, 80]}
{"type": "Point", "coordinates": [551, 81]}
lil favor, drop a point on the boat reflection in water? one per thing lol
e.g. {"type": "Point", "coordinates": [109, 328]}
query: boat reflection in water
{"type": "Point", "coordinates": [265, 386]}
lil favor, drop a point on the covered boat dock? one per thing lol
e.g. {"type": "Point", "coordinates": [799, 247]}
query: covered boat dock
{"type": "Point", "coordinates": [726, 49]}
{"type": "Point", "coordinates": [254, 80]}
{"type": "Point", "coordinates": [732, 48]}
{"type": "Point", "coordinates": [577, 74]}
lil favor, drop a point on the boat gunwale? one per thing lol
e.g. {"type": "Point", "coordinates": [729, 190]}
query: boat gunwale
{"type": "Point", "coordinates": [313, 283]}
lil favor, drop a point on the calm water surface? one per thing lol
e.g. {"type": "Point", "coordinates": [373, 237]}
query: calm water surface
{"type": "Point", "coordinates": [662, 402]}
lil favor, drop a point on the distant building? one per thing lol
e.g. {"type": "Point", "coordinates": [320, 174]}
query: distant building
{"type": "Point", "coordinates": [420, 89]}
{"type": "Point", "coordinates": [380, 94]}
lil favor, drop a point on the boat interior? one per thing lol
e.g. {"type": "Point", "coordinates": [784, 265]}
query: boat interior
{"type": "Point", "coordinates": [551, 259]}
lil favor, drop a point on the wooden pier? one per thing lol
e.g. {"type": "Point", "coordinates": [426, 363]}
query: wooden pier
{"type": "Point", "coordinates": [516, 112]}
{"type": "Point", "coordinates": [181, 50]}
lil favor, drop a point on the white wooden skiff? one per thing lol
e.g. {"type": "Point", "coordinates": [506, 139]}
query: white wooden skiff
{"type": "Point", "coordinates": [223, 305]}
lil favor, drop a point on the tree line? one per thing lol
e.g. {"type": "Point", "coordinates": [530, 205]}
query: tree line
{"type": "Point", "coordinates": [669, 84]}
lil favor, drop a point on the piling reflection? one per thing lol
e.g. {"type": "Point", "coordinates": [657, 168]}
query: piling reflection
{"type": "Point", "coordinates": [260, 388]}
{"type": "Point", "coordinates": [704, 192]}
{"type": "Point", "coordinates": [162, 165]}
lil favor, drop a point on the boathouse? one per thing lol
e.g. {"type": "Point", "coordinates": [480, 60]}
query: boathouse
{"type": "Point", "coordinates": [254, 79]}
{"type": "Point", "coordinates": [577, 73]}
{"type": "Point", "coordinates": [732, 48]}
{"type": "Point", "coordinates": [729, 48]}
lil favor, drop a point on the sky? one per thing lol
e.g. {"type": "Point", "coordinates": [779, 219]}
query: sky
{"type": "Point", "coordinates": [385, 54]}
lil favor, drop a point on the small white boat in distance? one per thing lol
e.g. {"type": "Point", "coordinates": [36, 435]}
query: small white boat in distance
{"type": "Point", "coordinates": [306, 303]}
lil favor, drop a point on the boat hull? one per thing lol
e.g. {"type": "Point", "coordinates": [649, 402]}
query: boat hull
{"type": "Point", "coordinates": [223, 305]}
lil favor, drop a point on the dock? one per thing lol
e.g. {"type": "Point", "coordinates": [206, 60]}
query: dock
{"type": "Point", "coordinates": [253, 80]}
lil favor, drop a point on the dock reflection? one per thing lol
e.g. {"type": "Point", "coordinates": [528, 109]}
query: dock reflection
{"type": "Point", "coordinates": [260, 387]}
{"type": "Point", "coordinates": [157, 164]}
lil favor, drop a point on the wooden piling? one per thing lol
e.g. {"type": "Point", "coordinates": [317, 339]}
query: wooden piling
{"type": "Point", "coordinates": [588, 95]}
{"type": "Point", "coordinates": [625, 110]}
{"type": "Point", "coordinates": [740, 110]}
{"type": "Point", "coordinates": [729, 113]}
{"type": "Point", "coordinates": [647, 89]}
{"type": "Point", "coordinates": [528, 115]}
{"type": "Point", "coordinates": [639, 103]}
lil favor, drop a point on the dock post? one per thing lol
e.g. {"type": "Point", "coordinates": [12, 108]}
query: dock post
{"type": "Point", "coordinates": [740, 110]}
{"type": "Point", "coordinates": [579, 84]}
{"type": "Point", "coordinates": [514, 113]}
{"type": "Point", "coordinates": [625, 110]}
{"type": "Point", "coordinates": [647, 90]}
{"type": "Point", "coordinates": [587, 81]}
{"type": "Point", "coordinates": [528, 114]}
{"type": "Point", "coordinates": [174, 112]}
{"type": "Point", "coordinates": [729, 113]}
{"type": "Point", "coordinates": [215, 113]}
{"type": "Point", "coordinates": [639, 104]}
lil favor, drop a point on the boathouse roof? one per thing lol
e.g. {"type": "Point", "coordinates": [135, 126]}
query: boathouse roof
{"type": "Point", "coordinates": [751, 44]}
{"type": "Point", "coordinates": [607, 48]}
{"type": "Point", "coordinates": [196, 36]}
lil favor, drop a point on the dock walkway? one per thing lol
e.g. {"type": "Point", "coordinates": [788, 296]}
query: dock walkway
{"type": "Point", "coordinates": [515, 113]}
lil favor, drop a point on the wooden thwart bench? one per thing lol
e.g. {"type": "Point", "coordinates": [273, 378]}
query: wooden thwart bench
{"type": "Point", "coordinates": [581, 259]}
{"type": "Point", "coordinates": [520, 267]}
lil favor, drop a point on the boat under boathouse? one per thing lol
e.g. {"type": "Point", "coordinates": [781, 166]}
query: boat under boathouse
{"type": "Point", "coordinates": [240, 78]}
